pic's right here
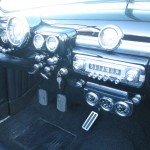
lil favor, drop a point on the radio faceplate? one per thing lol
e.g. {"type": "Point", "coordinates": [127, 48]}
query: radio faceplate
{"type": "Point", "coordinates": [114, 71]}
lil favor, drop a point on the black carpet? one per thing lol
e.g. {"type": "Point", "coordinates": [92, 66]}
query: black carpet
{"type": "Point", "coordinates": [42, 135]}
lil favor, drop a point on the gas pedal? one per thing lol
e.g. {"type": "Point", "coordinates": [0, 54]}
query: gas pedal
{"type": "Point", "coordinates": [90, 121]}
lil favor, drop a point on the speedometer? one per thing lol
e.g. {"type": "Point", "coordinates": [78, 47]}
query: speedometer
{"type": "Point", "coordinates": [17, 31]}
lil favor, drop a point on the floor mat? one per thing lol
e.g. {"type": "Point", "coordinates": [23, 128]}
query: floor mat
{"type": "Point", "coordinates": [42, 135]}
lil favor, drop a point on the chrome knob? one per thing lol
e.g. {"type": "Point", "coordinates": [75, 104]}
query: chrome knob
{"type": "Point", "coordinates": [105, 78]}
{"type": "Point", "coordinates": [63, 71]}
{"type": "Point", "coordinates": [90, 74]}
{"type": "Point", "coordinates": [37, 66]}
{"type": "Point", "coordinates": [95, 76]}
{"type": "Point", "coordinates": [52, 61]}
{"type": "Point", "coordinates": [106, 103]}
{"type": "Point", "coordinates": [39, 58]}
{"type": "Point", "coordinates": [136, 99]}
{"type": "Point", "coordinates": [100, 77]}
{"type": "Point", "coordinates": [122, 109]}
{"type": "Point", "coordinates": [131, 75]}
{"type": "Point", "coordinates": [92, 98]}
{"type": "Point", "coordinates": [78, 65]}
{"type": "Point", "coordinates": [117, 81]}
{"type": "Point", "coordinates": [47, 69]}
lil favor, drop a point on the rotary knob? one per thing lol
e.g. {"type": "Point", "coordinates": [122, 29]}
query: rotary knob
{"type": "Point", "coordinates": [107, 103]}
{"type": "Point", "coordinates": [92, 98]}
{"type": "Point", "coordinates": [122, 109]}
{"type": "Point", "coordinates": [78, 65]}
{"type": "Point", "coordinates": [131, 75]}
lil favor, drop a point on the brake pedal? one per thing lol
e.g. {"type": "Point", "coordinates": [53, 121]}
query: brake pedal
{"type": "Point", "coordinates": [90, 121]}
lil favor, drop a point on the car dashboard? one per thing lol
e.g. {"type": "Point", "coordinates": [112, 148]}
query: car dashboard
{"type": "Point", "coordinates": [105, 56]}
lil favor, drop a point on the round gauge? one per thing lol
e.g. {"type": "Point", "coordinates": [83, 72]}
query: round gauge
{"type": "Point", "coordinates": [52, 43]}
{"type": "Point", "coordinates": [38, 41]}
{"type": "Point", "coordinates": [17, 30]}
{"type": "Point", "coordinates": [110, 37]}
{"type": "Point", "coordinates": [4, 36]}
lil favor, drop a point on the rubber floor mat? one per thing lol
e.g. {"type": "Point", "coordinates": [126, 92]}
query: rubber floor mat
{"type": "Point", "coordinates": [42, 135]}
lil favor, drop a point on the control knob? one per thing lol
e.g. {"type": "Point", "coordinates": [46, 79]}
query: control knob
{"type": "Point", "coordinates": [53, 60]}
{"type": "Point", "coordinates": [107, 103]}
{"type": "Point", "coordinates": [92, 98]}
{"type": "Point", "coordinates": [78, 65]}
{"type": "Point", "coordinates": [131, 75]}
{"type": "Point", "coordinates": [122, 109]}
{"type": "Point", "coordinates": [105, 78]}
{"type": "Point", "coordinates": [39, 58]}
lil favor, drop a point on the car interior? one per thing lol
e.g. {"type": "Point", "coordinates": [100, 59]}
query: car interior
{"type": "Point", "coordinates": [75, 76]}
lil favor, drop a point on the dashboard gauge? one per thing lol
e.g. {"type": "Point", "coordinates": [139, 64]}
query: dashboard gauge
{"type": "Point", "coordinates": [38, 41]}
{"type": "Point", "coordinates": [52, 43]}
{"type": "Point", "coordinates": [4, 36]}
{"type": "Point", "coordinates": [17, 30]}
{"type": "Point", "coordinates": [110, 37]}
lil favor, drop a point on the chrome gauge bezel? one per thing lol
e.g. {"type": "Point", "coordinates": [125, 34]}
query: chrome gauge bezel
{"type": "Point", "coordinates": [24, 27]}
{"type": "Point", "coordinates": [52, 50]}
{"type": "Point", "coordinates": [42, 41]}
{"type": "Point", "coordinates": [118, 40]}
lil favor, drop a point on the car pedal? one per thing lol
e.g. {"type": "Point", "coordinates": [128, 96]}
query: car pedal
{"type": "Point", "coordinates": [89, 121]}
{"type": "Point", "coordinates": [61, 102]}
{"type": "Point", "coordinates": [43, 97]}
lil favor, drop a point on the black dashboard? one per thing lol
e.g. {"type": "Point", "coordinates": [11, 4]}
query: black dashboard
{"type": "Point", "coordinates": [105, 55]}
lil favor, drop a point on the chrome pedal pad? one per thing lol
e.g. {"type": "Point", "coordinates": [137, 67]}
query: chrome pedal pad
{"type": "Point", "coordinates": [90, 121]}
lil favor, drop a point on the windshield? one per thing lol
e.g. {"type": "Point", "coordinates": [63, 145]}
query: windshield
{"type": "Point", "coordinates": [13, 5]}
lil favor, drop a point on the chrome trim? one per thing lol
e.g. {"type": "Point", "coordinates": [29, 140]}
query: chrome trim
{"type": "Point", "coordinates": [25, 28]}
{"type": "Point", "coordinates": [139, 6]}
{"type": "Point", "coordinates": [126, 47]}
{"type": "Point", "coordinates": [116, 69]}
{"type": "Point", "coordinates": [42, 38]}
{"type": "Point", "coordinates": [119, 33]}
{"type": "Point", "coordinates": [57, 43]}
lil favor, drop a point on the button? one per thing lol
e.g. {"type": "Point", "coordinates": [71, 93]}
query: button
{"type": "Point", "coordinates": [131, 75]}
{"type": "Point", "coordinates": [105, 78]}
{"type": "Point", "coordinates": [111, 79]}
{"type": "Point", "coordinates": [117, 81]}
{"type": "Point", "coordinates": [137, 99]}
{"type": "Point", "coordinates": [90, 74]}
{"type": "Point", "coordinates": [95, 76]}
{"type": "Point", "coordinates": [100, 77]}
